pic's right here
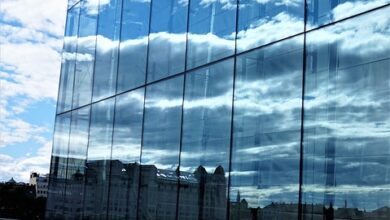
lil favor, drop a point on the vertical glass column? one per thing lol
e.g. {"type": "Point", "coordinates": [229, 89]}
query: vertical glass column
{"type": "Point", "coordinates": [85, 55]}
{"type": "Point", "coordinates": [107, 43]}
{"type": "Point", "coordinates": [55, 200]}
{"type": "Point", "coordinates": [167, 39]}
{"type": "Point", "coordinates": [267, 132]}
{"type": "Point", "coordinates": [98, 160]}
{"type": "Point", "coordinates": [204, 158]}
{"type": "Point", "coordinates": [347, 124]}
{"type": "Point", "coordinates": [75, 175]}
{"type": "Point", "coordinates": [160, 150]}
{"type": "Point", "coordinates": [133, 44]}
{"type": "Point", "coordinates": [212, 31]}
{"type": "Point", "coordinates": [125, 159]}
{"type": "Point", "coordinates": [68, 61]}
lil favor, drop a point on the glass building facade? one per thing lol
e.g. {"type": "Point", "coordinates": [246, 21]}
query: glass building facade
{"type": "Point", "coordinates": [223, 109]}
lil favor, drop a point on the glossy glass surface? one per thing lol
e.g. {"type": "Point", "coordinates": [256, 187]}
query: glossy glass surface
{"type": "Point", "coordinates": [204, 157]}
{"type": "Point", "coordinates": [108, 32]}
{"type": "Point", "coordinates": [55, 200]}
{"type": "Point", "coordinates": [85, 55]}
{"type": "Point", "coordinates": [347, 130]}
{"type": "Point", "coordinates": [98, 160]}
{"type": "Point", "coordinates": [212, 30]}
{"type": "Point", "coordinates": [266, 135]}
{"type": "Point", "coordinates": [262, 21]}
{"type": "Point", "coordinates": [160, 150]}
{"type": "Point", "coordinates": [323, 12]}
{"type": "Point", "coordinates": [167, 38]}
{"type": "Point", "coordinates": [65, 91]}
{"type": "Point", "coordinates": [125, 157]}
{"type": "Point", "coordinates": [133, 44]}
{"type": "Point", "coordinates": [75, 171]}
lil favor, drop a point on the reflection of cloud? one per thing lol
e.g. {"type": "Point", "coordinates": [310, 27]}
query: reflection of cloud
{"type": "Point", "coordinates": [293, 3]}
{"type": "Point", "coordinates": [227, 4]}
{"type": "Point", "coordinates": [349, 8]}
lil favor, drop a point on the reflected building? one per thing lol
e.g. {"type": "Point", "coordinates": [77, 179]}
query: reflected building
{"type": "Point", "coordinates": [223, 109]}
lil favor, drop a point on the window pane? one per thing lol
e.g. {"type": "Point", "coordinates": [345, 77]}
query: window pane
{"type": "Point", "coordinates": [85, 55]}
{"type": "Point", "coordinates": [212, 30]}
{"type": "Point", "coordinates": [133, 45]}
{"type": "Point", "coordinates": [347, 124]}
{"type": "Point", "coordinates": [323, 12]}
{"type": "Point", "coordinates": [160, 150]}
{"type": "Point", "coordinates": [206, 142]}
{"type": "Point", "coordinates": [107, 49]}
{"type": "Point", "coordinates": [266, 137]}
{"type": "Point", "coordinates": [98, 160]}
{"type": "Point", "coordinates": [55, 205]}
{"type": "Point", "coordinates": [75, 174]}
{"type": "Point", "coordinates": [167, 38]}
{"type": "Point", "coordinates": [64, 102]}
{"type": "Point", "coordinates": [125, 156]}
{"type": "Point", "coordinates": [262, 21]}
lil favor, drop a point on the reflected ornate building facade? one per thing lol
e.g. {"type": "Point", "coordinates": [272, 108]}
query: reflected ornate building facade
{"type": "Point", "coordinates": [223, 109]}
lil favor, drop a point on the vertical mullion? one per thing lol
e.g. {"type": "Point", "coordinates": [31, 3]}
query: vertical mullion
{"type": "Point", "coordinates": [232, 114]}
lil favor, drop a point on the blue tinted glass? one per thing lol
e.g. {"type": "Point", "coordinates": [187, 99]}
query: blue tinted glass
{"type": "Point", "coordinates": [321, 12]}
{"type": "Point", "coordinates": [167, 38]}
{"type": "Point", "coordinates": [133, 44]}
{"type": "Point", "coordinates": [205, 151]}
{"type": "Point", "coordinates": [65, 92]}
{"type": "Point", "coordinates": [75, 173]}
{"type": "Point", "coordinates": [98, 160]}
{"type": "Point", "coordinates": [347, 130]}
{"type": "Point", "coordinates": [212, 29]}
{"type": "Point", "coordinates": [108, 31]}
{"type": "Point", "coordinates": [266, 135]}
{"type": "Point", "coordinates": [262, 21]}
{"type": "Point", "coordinates": [160, 150]}
{"type": "Point", "coordinates": [125, 157]}
{"type": "Point", "coordinates": [55, 205]}
{"type": "Point", "coordinates": [85, 55]}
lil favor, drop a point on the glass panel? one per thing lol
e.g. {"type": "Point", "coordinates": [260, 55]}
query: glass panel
{"type": "Point", "coordinates": [75, 174]}
{"type": "Point", "coordinates": [133, 45]}
{"type": "Point", "coordinates": [160, 150]}
{"type": "Point", "coordinates": [206, 142]}
{"type": "Point", "coordinates": [55, 205]}
{"type": "Point", "coordinates": [212, 31]}
{"type": "Point", "coordinates": [167, 38]}
{"type": "Point", "coordinates": [98, 160]}
{"type": "Point", "coordinates": [322, 12]}
{"type": "Point", "coordinates": [266, 136]}
{"type": "Point", "coordinates": [125, 157]}
{"type": "Point", "coordinates": [347, 123]}
{"type": "Point", "coordinates": [72, 2]}
{"type": "Point", "coordinates": [64, 102]}
{"type": "Point", "coordinates": [107, 48]}
{"type": "Point", "coordinates": [263, 21]}
{"type": "Point", "coordinates": [85, 55]}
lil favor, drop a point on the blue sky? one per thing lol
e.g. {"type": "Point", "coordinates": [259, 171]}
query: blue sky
{"type": "Point", "coordinates": [30, 46]}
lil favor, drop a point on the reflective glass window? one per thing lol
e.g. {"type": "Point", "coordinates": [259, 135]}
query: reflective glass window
{"type": "Point", "coordinates": [107, 43]}
{"type": "Point", "coordinates": [160, 150]}
{"type": "Point", "coordinates": [85, 55]}
{"type": "Point", "coordinates": [267, 129]}
{"type": "Point", "coordinates": [125, 158]}
{"type": "Point", "coordinates": [75, 173]}
{"type": "Point", "coordinates": [65, 92]}
{"type": "Point", "coordinates": [262, 21]}
{"type": "Point", "coordinates": [347, 131]}
{"type": "Point", "coordinates": [57, 176]}
{"type": "Point", "coordinates": [98, 160]}
{"type": "Point", "coordinates": [212, 31]}
{"type": "Point", "coordinates": [204, 159]}
{"type": "Point", "coordinates": [133, 44]}
{"type": "Point", "coordinates": [167, 39]}
{"type": "Point", "coordinates": [321, 12]}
